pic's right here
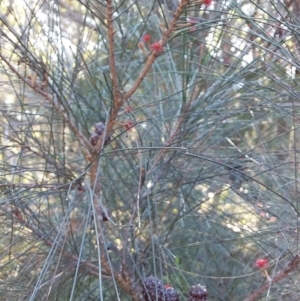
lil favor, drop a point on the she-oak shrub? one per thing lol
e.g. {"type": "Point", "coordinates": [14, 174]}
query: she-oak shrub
{"type": "Point", "coordinates": [147, 147]}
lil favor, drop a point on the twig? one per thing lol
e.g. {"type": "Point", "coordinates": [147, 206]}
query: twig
{"type": "Point", "coordinates": [111, 46]}
{"type": "Point", "coordinates": [84, 141]}
{"type": "Point", "coordinates": [123, 278]}
{"type": "Point", "coordinates": [154, 54]}
{"type": "Point", "coordinates": [91, 268]}
{"type": "Point", "coordinates": [118, 102]}
{"type": "Point", "coordinates": [257, 293]}
{"type": "Point", "coordinates": [53, 186]}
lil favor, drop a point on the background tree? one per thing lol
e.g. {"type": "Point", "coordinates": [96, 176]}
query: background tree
{"type": "Point", "coordinates": [149, 145]}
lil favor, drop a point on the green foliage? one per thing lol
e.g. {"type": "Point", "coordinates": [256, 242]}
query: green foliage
{"type": "Point", "coordinates": [200, 177]}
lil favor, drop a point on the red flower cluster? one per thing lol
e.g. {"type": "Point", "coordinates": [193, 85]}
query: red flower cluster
{"type": "Point", "coordinates": [207, 2]}
{"type": "Point", "coordinates": [146, 38]}
{"type": "Point", "coordinates": [261, 263]}
{"type": "Point", "coordinates": [156, 46]}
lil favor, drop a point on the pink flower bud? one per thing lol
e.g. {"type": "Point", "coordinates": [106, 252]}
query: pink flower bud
{"type": "Point", "coordinates": [146, 38]}
{"type": "Point", "coordinates": [156, 46]}
{"type": "Point", "coordinates": [261, 263]}
{"type": "Point", "coordinates": [207, 2]}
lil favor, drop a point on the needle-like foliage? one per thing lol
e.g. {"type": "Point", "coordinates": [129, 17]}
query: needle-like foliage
{"type": "Point", "coordinates": [149, 150]}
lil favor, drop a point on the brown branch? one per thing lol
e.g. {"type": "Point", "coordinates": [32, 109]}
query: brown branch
{"type": "Point", "coordinates": [151, 59]}
{"type": "Point", "coordinates": [282, 274]}
{"type": "Point", "coordinates": [54, 186]}
{"type": "Point", "coordinates": [84, 141]}
{"type": "Point", "coordinates": [111, 46]}
{"type": "Point", "coordinates": [49, 243]}
{"type": "Point", "coordinates": [154, 54]}
{"type": "Point", "coordinates": [124, 279]}
{"type": "Point", "coordinates": [90, 267]}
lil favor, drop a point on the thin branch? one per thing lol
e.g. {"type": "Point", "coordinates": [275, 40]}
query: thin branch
{"type": "Point", "coordinates": [123, 279]}
{"type": "Point", "coordinates": [84, 141]}
{"type": "Point", "coordinates": [155, 53]}
{"type": "Point", "coordinates": [91, 268]}
{"type": "Point", "coordinates": [292, 266]}
{"type": "Point", "coordinates": [151, 59]}
{"type": "Point", "coordinates": [111, 45]}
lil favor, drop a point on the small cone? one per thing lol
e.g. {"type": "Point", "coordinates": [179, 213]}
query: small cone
{"type": "Point", "coordinates": [152, 289]}
{"type": "Point", "coordinates": [198, 293]}
{"type": "Point", "coordinates": [171, 294]}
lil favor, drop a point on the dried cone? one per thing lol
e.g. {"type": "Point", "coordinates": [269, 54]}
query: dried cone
{"type": "Point", "coordinates": [171, 294]}
{"type": "Point", "coordinates": [94, 138]}
{"type": "Point", "coordinates": [99, 129]}
{"type": "Point", "coordinates": [198, 293]}
{"type": "Point", "coordinates": [152, 289]}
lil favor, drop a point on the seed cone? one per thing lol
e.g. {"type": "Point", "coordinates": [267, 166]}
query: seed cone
{"type": "Point", "coordinates": [198, 293]}
{"type": "Point", "coordinates": [151, 288]}
{"type": "Point", "coordinates": [154, 290]}
{"type": "Point", "coordinates": [171, 294]}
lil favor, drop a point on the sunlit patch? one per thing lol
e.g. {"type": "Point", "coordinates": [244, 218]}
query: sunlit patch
{"type": "Point", "coordinates": [9, 99]}
{"type": "Point", "coordinates": [210, 195]}
{"type": "Point", "coordinates": [149, 184]}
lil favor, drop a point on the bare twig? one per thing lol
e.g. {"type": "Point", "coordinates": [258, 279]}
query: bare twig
{"type": "Point", "coordinates": [84, 141]}
{"type": "Point", "coordinates": [282, 274]}
{"type": "Point", "coordinates": [154, 54]}
{"type": "Point", "coordinates": [111, 45]}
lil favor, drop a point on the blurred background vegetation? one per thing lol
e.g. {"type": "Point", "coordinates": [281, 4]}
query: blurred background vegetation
{"type": "Point", "coordinates": [200, 176]}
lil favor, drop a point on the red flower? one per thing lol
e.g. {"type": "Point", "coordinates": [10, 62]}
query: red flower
{"type": "Point", "coordinates": [156, 46]}
{"type": "Point", "coordinates": [128, 125]}
{"type": "Point", "coordinates": [207, 2]}
{"type": "Point", "coordinates": [146, 38]}
{"type": "Point", "coordinates": [261, 263]}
